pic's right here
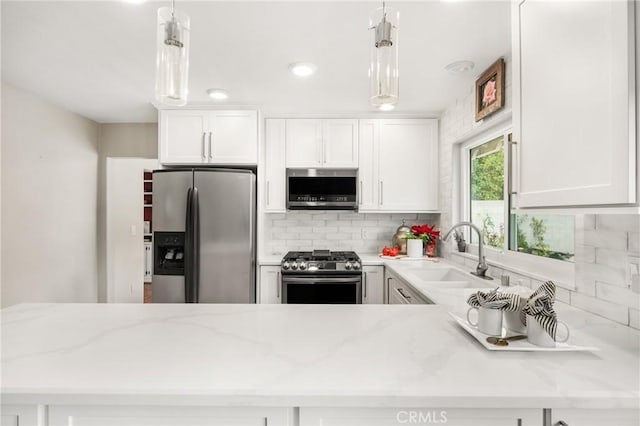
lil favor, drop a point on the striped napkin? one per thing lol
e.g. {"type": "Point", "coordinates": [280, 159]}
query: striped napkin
{"type": "Point", "coordinates": [540, 306]}
{"type": "Point", "coordinates": [495, 300]}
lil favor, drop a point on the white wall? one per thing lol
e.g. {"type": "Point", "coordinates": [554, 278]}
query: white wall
{"type": "Point", "coordinates": [131, 140]}
{"type": "Point", "coordinates": [603, 243]}
{"type": "Point", "coordinates": [49, 202]}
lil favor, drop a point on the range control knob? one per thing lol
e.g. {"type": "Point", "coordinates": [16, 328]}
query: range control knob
{"type": "Point", "coordinates": [356, 265]}
{"type": "Point", "coordinates": [348, 266]}
{"type": "Point", "coordinates": [286, 266]}
{"type": "Point", "coordinates": [303, 266]}
{"type": "Point", "coordinates": [294, 266]}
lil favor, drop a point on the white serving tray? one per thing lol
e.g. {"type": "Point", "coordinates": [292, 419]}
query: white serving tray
{"type": "Point", "coordinates": [517, 345]}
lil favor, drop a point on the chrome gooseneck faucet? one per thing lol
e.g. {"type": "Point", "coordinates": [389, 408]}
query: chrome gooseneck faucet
{"type": "Point", "coordinates": [482, 267]}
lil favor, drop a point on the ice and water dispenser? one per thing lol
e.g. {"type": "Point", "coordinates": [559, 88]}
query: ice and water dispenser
{"type": "Point", "coordinates": [168, 253]}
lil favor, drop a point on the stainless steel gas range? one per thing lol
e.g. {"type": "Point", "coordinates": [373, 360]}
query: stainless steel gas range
{"type": "Point", "coordinates": [321, 276]}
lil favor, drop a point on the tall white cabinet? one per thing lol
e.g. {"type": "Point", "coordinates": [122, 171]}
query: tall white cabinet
{"type": "Point", "coordinates": [574, 103]}
{"type": "Point", "coordinates": [275, 172]}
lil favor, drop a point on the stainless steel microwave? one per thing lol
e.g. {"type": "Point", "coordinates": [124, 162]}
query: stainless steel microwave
{"type": "Point", "coordinates": [322, 189]}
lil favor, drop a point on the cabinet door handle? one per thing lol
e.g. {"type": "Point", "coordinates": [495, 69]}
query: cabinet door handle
{"type": "Point", "coordinates": [365, 286]}
{"type": "Point", "coordinates": [268, 193]}
{"type": "Point", "coordinates": [511, 146]}
{"type": "Point", "coordinates": [360, 195]}
{"type": "Point", "coordinates": [278, 284]}
{"type": "Point", "coordinates": [210, 152]}
{"type": "Point", "coordinates": [399, 289]}
{"type": "Point", "coordinates": [381, 192]}
{"type": "Point", "coordinates": [204, 152]}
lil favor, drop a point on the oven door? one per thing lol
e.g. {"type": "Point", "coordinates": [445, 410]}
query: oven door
{"type": "Point", "coordinates": [334, 289]}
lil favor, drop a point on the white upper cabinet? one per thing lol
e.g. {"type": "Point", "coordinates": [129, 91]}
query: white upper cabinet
{"type": "Point", "coordinates": [407, 158]}
{"type": "Point", "coordinates": [234, 137]}
{"type": "Point", "coordinates": [315, 143]}
{"type": "Point", "coordinates": [340, 143]}
{"type": "Point", "coordinates": [182, 137]}
{"type": "Point", "coordinates": [208, 137]}
{"type": "Point", "coordinates": [574, 103]}
{"type": "Point", "coordinates": [275, 176]}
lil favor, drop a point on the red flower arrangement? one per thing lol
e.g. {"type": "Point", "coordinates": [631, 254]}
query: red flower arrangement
{"type": "Point", "coordinates": [426, 233]}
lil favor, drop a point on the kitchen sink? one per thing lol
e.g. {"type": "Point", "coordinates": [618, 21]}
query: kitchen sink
{"type": "Point", "coordinates": [443, 277]}
{"type": "Point", "coordinates": [438, 274]}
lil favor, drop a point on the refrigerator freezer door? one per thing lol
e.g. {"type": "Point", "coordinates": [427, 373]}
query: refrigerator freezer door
{"type": "Point", "coordinates": [169, 214]}
{"type": "Point", "coordinates": [227, 236]}
{"type": "Point", "coordinates": [170, 199]}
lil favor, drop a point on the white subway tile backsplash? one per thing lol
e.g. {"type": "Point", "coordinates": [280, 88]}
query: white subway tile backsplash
{"type": "Point", "coordinates": [613, 258]}
{"type": "Point", "coordinates": [634, 318]}
{"type": "Point", "coordinates": [600, 307]}
{"type": "Point", "coordinates": [633, 242]}
{"type": "Point", "coordinates": [603, 273]}
{"type": "Point", "coordinates": [618, 295]}
{"type": "Point", "coordinates": [620, 222]}
{"type": "Point", "coordinates": [324, 216]}
{"type": "Point", "coordinates": [563, 295]}
{"type": "Point", "coordinates": [616, 240]}
{"type": "Point", "coordinates": [585, 254]}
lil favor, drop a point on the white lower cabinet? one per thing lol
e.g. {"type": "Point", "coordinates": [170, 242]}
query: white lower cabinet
{"type": "Point", "coordinates": [399, 292]}
{"type": "Point", "coordinates": [586, 417]}
{"type": "Point", "coordinates": [270, 289]}
{"type": "Point", "coordinates": [21, 415]}
{"type": "Point", "coordinates": [70, 415]}
{"type": "Point", "coordinates": [419, 416]}
{"type": "Point", "coordinates": [373, 284]}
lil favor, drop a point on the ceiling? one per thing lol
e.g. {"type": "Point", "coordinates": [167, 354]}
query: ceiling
{"type": "Point", "coordinates": [98, 58]}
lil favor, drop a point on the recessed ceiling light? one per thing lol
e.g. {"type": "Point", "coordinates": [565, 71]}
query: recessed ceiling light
{"type": "Point", "coordinates": [459, 67]}
{"type": "Point", "coordinates": [302, 69]}
{"type": "Point", "coordinates": [218, 94]}
{"type": "Point", "coordinates": [386, 107]}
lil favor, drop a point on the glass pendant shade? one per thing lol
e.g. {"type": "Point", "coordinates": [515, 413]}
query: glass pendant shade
{"type": "Point", "coordinates": [172, 61]}
{"type": "Point", "coordinates": [383, 70]}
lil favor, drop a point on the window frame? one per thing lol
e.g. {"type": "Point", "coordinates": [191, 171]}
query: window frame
{"type": "Point", "coordinates": [561, 272]}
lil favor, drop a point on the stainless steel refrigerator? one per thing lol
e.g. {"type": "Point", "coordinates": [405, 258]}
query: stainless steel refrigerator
{"type": "Point", "coordinates": [204, 223]}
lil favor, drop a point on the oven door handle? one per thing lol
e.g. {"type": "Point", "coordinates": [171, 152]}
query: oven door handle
{"type": "Point", "coordinates": [287, 280]}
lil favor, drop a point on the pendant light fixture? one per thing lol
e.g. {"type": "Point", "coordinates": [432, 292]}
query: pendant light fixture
{"type": "Point", "coordinates": [383, 70]}
{"type": "Point", "coordinates": [172, 60]}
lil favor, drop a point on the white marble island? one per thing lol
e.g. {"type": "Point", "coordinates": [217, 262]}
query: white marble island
{"type": "Point", "coordinates": [286, 356]}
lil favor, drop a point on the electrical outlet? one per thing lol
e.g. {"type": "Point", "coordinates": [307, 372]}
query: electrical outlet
{"type": "Point", "coordinates": [633, 269]}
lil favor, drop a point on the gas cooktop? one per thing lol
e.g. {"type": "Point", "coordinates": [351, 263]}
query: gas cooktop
{"type": "Point", "coordinates": [318, 261]}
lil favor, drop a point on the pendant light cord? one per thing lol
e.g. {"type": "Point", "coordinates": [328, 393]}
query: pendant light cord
{"type": "Point", "coordinates": [173, 7]}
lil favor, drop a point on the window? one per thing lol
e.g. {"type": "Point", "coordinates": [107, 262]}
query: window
{"type": "Point", "coordinates": [487, 205]}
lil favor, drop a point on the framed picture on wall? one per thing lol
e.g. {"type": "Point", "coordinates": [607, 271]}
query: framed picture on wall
{"type": "Point", "coordinates": [490, 90]}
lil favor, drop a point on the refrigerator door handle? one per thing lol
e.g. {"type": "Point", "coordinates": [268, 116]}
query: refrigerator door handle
{"type": "Point", "coordinates": [195, 212]}
{"type": "Point", "coordinates": [188, 249]}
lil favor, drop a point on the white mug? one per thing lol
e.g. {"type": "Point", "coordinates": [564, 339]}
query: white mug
{"type": "Point", "coordinates": [489, 320]}
{"type": "Point", "coordinates": [414, 248]}
{"type": "Point", "coordinates": [513, 322]}
{"type": "Point", "coordinates": [536, 334]}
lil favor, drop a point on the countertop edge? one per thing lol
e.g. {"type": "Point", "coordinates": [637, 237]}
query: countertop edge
{"type": "Point", "coordinates": [630, 402]}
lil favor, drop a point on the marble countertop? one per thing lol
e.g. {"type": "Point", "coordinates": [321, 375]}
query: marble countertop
{"type": "Point", "coordinates": [298, 355]}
